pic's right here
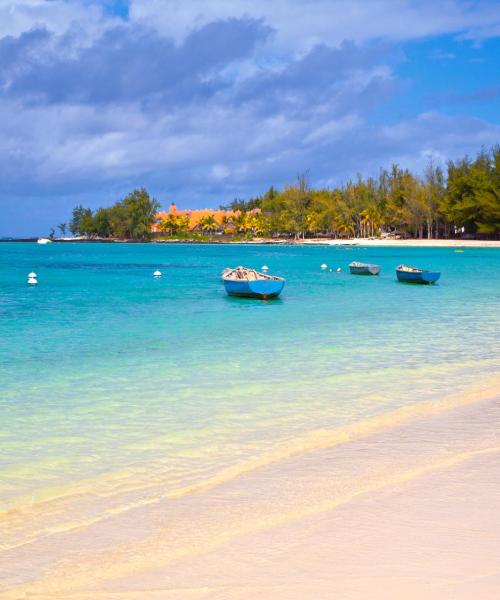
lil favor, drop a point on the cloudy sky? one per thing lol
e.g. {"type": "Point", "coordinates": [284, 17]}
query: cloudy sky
{"type": "Point", "coordinates": [202, 101]}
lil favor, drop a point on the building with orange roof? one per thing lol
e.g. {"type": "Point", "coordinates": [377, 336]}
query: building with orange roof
{"type": "Point", "coordinates": [225, 219]}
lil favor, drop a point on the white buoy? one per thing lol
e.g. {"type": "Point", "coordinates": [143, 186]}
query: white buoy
{"type": "Point", "coordinates": [30, 275]}
{"type": "Point", "coordinates": [339, 270]}
{"type": "Point", "coordinates": [265, 268]}
{"type": "Point", "coordinates": [324, 266]}
{"type": "Point", "coordinates": [157, 274]}
{"type": "Point", "coordinates": [32, 281]}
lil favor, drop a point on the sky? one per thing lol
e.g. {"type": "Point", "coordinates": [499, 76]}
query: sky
{"type": "Point", "coordinates": [203, 101]}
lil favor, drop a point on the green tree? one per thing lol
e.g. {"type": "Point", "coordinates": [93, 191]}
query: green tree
{"type": "Point", "coordinates": [343, 221]}
{"type": "Point", "coordinates": [415, 207]}
{"type": "Point", "coordinates": [102, 223]}
{"type": "Point", "coordinates": [87, 226]}
{"type": "Point", "coordinates": [273, 211]}
{"type": "Point", "coordinates": [140, 213]}
{"type": "Point", "coordinates": [321, 212]}
{"type": "Point", "coordinates": [240, 222]}
{"type": "Point", "coordinates": [484, 177]}
{"type": "Point", "coordinates": [297, 199]}
{"type": "Point", "coordinates": [175, 224]}
{"type": "Point", "coordinates": [81, 221]}
{"type": "Point", "coordinates": [255, 223]}
{"type": "Point", "coordinates": [208, 224]}
{"type": "Point", "coordinates": [434, 193]}
{"type": "Point", "coordinates": [227, 224]}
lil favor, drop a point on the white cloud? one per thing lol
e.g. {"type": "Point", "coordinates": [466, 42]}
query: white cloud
{"type": "Point", "coordinates": [299, 25]}
{"type": "Point", "coordinates": [411, 141]}
{"type": "Point", "coordinates": [58, 16]}
{"type": "Point", "coordinates": [210, 117]}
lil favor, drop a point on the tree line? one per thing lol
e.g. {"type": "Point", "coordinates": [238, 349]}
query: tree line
{"type": "Point", "coordinates": [463, 199]}
{"type": "Point", "coordinates": [130, 218]}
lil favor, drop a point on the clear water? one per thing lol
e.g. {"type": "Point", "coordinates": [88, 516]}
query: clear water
{"type": "Point", "coordinates": [107, 374]}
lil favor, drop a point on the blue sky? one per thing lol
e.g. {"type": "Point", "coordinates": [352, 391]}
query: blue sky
{"type": "Point", "coordinates": [204, 101]}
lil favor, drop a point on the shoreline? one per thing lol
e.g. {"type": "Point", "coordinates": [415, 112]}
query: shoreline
{"type": "Point", "coordinates": [413, 243]}
{"type": "Point", "coordinates": [327, 519]}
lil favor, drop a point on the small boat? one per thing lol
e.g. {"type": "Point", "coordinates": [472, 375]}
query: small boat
{"type": "Point", "coordinates": [359, 268]}
{"type": "Point", "coordinates": [44, 241]}
{"type": "Point", "coordinates": [414, 275]}
{"type": "Point", "coordinates": [249, 283]}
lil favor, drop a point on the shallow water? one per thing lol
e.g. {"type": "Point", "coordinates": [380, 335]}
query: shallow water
{"type": "Point", "coordinates": [118, 389]}
{"type": "Point", "coordinates": [105, 369]}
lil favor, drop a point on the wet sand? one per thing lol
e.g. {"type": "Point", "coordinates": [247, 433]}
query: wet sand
{"type": "Point", "coordinates": [407, 509]}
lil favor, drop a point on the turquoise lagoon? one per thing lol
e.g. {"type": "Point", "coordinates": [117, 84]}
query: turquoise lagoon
{"type": "Point", "coordinates": [107, 374]}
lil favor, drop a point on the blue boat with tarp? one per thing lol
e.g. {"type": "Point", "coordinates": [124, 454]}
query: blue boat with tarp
{"type": "Point", "coordinates": [249, 283]}
{"type": "Point", "coordinates": [408, 274]}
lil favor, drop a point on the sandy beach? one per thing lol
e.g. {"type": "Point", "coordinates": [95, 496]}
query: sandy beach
{"type": "Point", "coordinates": [409, 243]}
{"type": "Point", "coordinates": [396, 507]}
{"type": "Point", "coordinates": [366, 242]}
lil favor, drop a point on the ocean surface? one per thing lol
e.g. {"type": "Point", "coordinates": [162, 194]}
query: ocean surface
{"type": "Point", "coordinates": [118, 389]}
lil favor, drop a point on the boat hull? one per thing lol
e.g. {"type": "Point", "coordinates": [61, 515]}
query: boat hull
{"type": "Point", "coordinates": [364, 269]}
{"type": "Point", "coordinates": [261, 288]}
{"type": "Point", "coordinates": [424, 277]}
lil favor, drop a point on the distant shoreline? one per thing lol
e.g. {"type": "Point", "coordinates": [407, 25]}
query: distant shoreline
{"type": "Point", "coordinates": [424, 243]}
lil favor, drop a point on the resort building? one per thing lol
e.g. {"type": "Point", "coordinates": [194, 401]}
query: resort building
{"type": "Point", "coordinates": [205, 219]}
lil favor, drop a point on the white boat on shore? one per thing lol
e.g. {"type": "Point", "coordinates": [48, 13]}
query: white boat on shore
{"type": "Point", "coordinates": [43, 241]}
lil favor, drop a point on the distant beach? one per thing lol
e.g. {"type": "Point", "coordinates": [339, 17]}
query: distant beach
{"type": "Point", "coordinates": [395, 243]}
{"type": "Point", "coordinates": [416, 243]}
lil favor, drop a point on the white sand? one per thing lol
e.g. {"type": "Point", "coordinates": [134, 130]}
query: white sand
{"type": "Point", "coordinates": [407, 510]}
{"type": "Point", "coordinates": [405, 243]}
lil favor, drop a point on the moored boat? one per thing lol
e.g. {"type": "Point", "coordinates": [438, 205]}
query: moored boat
{"type": "Point", "coordinates": [44, 241]}
{"type": "Point", "coordinates": [249, 283]}
{"type": "Point", "coordinates": [414, 275]}
{"type": "Point", "coordinates": [359, 268]}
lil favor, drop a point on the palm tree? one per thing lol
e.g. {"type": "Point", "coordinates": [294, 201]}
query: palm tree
{"type": "Point", "coordinates": [208, 224]}
{"type": "Point", "coordinates": [227, 224]}
{"type": "Point", "coordinates": [371, 219]}
{"type": "Point", "coordinates": [344, 222]}
{"type": "Point", "coordinates": [240, 221]}
{"type": "Point", "coordinates": [168, 224]}
{"type": "Point", "coordinates": [255, 223]}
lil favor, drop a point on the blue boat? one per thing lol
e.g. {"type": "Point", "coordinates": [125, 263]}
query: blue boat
{"type": "Point", "coordinates": [249, 283]}
{"type": "Point", "coordinates": [414, 275]}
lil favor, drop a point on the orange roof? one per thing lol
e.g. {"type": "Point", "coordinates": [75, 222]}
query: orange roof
{"type": "Point", "coordinates": [195, 216]}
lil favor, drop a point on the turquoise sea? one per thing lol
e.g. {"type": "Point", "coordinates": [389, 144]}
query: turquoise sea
{"type": "Point", "coordinates": [107, 374]}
